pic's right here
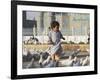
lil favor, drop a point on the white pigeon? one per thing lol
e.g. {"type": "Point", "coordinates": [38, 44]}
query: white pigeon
{"type": "Point", "coordinates": [76, 61]}
{"type": "Point", "coordinates": [86, 61]}
{"type": "Point", "coordinates": [25, 51]}
{"type": "Point", "coordinates": [46, 61]}
{"type": "Point", "coordinates": [67, 62]}
{"type": "Point", "coordinates": [30, 64]}
{"type": "Point", "coordinates": [41, 59]}
{"type": "Point", "coordinates": [81, 61]}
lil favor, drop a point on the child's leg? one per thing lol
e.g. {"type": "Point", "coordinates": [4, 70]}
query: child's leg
{"type": "Point", "coordinates": [57, 57]}
{"type": "Point", "coordinates": [53, 57]}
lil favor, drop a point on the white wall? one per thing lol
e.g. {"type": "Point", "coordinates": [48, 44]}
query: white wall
{"type": "Point", "coordinates": [5, 40]}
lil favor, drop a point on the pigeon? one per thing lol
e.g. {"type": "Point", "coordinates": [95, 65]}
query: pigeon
{"type": "Point", "coordinates": [76, 62]}
{"type": "Point", "coordinates": [45, 62]}
{"type": "Point", "coordinates": [81, 61]}
{"type": "Point", "coordinates": [52, 64]}
{"type": "Point", "coordinates": [30, 64]}
{"type": "Point", "coordinates": [41, 60]}
{"type": "Point", "coordinates": [86, 61]}
{"type": "Point", "coordinates": [75, 52]}
{"type": "Point", "coordinates": [24, 54]}
{"type": "Point", "coordinates": [67, 62]}
{"type": "Point", "coordinates": [44, 59]}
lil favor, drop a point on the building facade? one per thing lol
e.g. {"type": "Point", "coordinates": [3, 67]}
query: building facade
{"type": "Point", "coordinates": [74, 26]}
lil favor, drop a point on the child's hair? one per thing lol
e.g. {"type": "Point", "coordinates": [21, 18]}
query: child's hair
{"type": "Point", "coordinates": [54, 24]}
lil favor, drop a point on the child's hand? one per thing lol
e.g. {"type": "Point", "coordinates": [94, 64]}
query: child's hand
{"type": "Point", "coordinates": [63, 38]}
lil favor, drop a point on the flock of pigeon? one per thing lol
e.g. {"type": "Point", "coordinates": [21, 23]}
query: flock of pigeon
{"type": "Point", "coordinates": [32, 40]}
{"type": "Point", "coordinates": [41, 59]}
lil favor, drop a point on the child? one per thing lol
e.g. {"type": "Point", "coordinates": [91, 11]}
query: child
{"type": "Point", "coordinates": [55, 37]}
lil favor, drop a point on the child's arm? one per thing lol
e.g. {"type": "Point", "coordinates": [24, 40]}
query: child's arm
{"type": "Point", "coordinates": [62, 36]}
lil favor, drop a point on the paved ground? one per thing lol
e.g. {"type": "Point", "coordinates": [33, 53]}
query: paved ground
{"type": "Point", "coordinates": [65, 47]}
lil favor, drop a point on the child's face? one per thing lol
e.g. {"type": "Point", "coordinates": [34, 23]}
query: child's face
{"type": "Point", "coordinates": [56, 29]}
